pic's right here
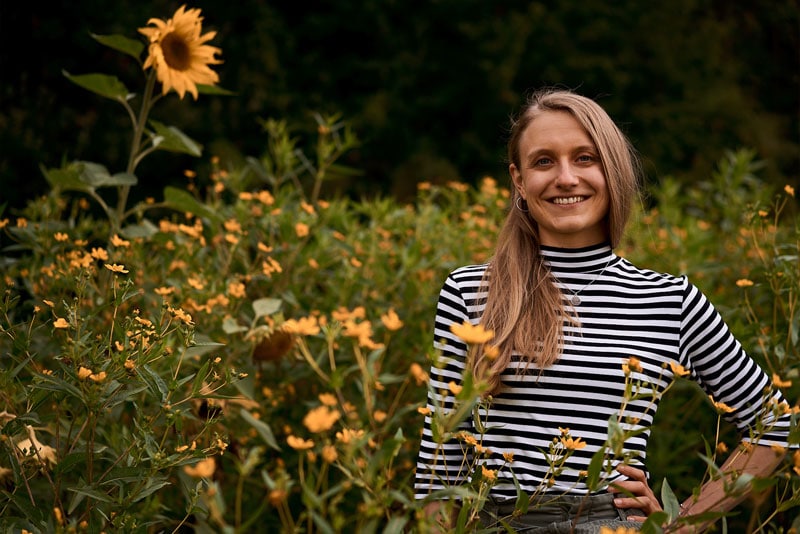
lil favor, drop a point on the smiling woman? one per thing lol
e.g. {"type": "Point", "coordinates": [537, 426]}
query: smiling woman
{"type": "Point", "coordinates": [574, 330]}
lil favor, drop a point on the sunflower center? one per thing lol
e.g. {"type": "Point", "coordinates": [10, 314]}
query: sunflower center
{"type": "Point", "coordinates": [176, 52]}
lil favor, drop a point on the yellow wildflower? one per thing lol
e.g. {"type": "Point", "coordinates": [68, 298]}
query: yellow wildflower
{"type": "Point", "coordinates": [572, 443]}
{"type": "Point", "coordinates": [60, 322]}
{"type": "Point", "coordinates": [744, 282]}
{"type": "Point", "coordinates": [117, 241]}
{"type": "Point", "coordinates": [678, 369]}
{"type": "Point", "coordinates": [508, 457]}
{"type": "Point", "coordinates": [789, 190]}
{"type": "Point", "coordinates": [329, 454]}
{"type": "Point", "coordinates": [391, 321]}
{"type": "Point", "coordinates": [301, 229]}
{"type": "Point", "coordinates": [115, 268]}
{"type": "Point", "coordinates": [348, 435]}
{"type": "Point", "coordinates": [420, 376]}
{"type": "Point", "coordinates": [423, 410]}
{"type": "Point", "coordinates": [379, 416]}
{"type": "Point", "coordinates": [796, 461]}
{"type": "Point", "coordinates": [328, 399]}
{"type": "Point", "coordinates": [178, 54]}
{"type": "Point", "coordinates": [99, 254]}
{"type": "Point", "coordinates": [454, 388]}
{"type": "Point", "coordinates": [489, 474]}
{"type": "Point", "coordinates": [721, 407]}
{"type": "Point", "coordinates": [321, 419]}
{"type": "Point", "coordinates": [778, 382]}
{"type": "Point", "coordinates": [84, 373]}
{"type": "Point", "coordinates": [61, 236]}
{"type": "Point", "coordinates": [99, 377]}
{"type": "Point", "coordinates": [202, 469]}
{"type": "Point", "coordinates": [304, 326]}
{"type": "Point", "coordinates": [491, 352]}
{"type": "Point", "coordinates": [299, 444]}
{"type": "Point", "coordinates": [470, 333]}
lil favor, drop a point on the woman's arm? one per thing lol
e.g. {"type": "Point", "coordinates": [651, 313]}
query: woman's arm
{"type": "Point", "coordinates": [756, 460]}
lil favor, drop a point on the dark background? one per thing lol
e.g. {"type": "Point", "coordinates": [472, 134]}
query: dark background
{"type": "Point", "coordinates": [428, 86]}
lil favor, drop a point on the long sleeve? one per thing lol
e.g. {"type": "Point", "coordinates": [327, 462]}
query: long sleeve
{"type": "Point", "coordinates": [725, 372]}
{"type": "Point", "coordinates": [441, 465]}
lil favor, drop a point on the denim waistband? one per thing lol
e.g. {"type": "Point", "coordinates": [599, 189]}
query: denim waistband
{"type": "Point", "coordinates": [548, 511]}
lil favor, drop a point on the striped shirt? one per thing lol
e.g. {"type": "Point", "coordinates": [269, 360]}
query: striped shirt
{"type": "Point", "coordinates": [625, 314]}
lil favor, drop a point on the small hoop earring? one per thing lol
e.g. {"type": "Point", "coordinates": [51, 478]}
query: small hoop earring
{"type": "Point", "coordinates": [518, 204]}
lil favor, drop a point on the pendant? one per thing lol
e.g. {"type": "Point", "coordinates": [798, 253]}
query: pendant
{"type": "Point", "coordinates": [576, 300]}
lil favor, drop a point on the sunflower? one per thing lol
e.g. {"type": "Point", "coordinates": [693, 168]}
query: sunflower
{"type": "Point", "coordinates": [178, 54]}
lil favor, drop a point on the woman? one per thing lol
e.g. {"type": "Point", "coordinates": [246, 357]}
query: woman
{"type": "Point", "coordinates": [574, 323]}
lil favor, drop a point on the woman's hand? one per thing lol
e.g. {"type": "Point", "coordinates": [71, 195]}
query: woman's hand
{"type": "Point", "coordinates": [635, 493]}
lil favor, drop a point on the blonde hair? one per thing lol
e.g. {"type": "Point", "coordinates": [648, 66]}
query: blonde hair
{"type": "Point", "coordinates": [524, 306]}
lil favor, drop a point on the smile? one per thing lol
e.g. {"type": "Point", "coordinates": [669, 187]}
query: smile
{"type": "Point", "coordinates": [568, 200]}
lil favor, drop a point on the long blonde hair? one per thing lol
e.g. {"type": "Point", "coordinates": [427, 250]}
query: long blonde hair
{"type": "Point", "coordinates": [524, 307]}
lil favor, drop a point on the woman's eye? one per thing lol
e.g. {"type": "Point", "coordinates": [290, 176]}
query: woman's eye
{"type": "Point", "coordinates": [586, 158]}
{"type": "Point", "coordinates": [542, 161]}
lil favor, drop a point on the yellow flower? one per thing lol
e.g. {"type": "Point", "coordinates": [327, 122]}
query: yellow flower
{"type": "Point", "coordinates": [301, 229]}
{"type": "Point", "coordinates": [796, 461]}
{"type": "Point", "coordinates": [329, 454]}
{"type": "Point", "coordinates": [419, 374]}
{"type": "Point", "coordinates": [177, 52]}
{"type": "Point", "coordinates": [61, 236]}
{"type": "Point", "coordinates": [491, 352]}
{"type": "Point", "coordinates": [117, 241]}
{"type": "Point", "coordinates": [470, 333]}
{"type": "Point", "coordinates": [84, 373]}
{"type": "Point", "coordinates": [508, 457]}
{"type": "Point", "coordinates": [305, 326]}
{"type": "Point", "coordinates": [454, 388]}
{"type": "Point", "coordinates": [423, 410]}
{"type": "Point", "coordinates": [380, 416]}
{"type": "Point", "coordinates": [632, 365]}
{"type": "Point", "coordinates": [573, 444]}
{"type": "Point", "coordinates": [744, 282]}
{"type": "Point", "coordinates": [721, 407]}
{"type": "Point", "coordinates": [777, 382]}
{"type": "Point", "coordinates": [202, 469]}
{"type": "Point", "coordinates": [721, 447]}
{"type": "Point", "coordinates": [99, 254]}
{"type": "Point", "coordinates": [328, 399]}
{"type": "Point", "coordinates": [490, 474]}
{"type": "Point", "coordinates": [678, 369]}
{"type": "Point", "coordinates": [321, 419]}
{"type": "Point", "coordinates": [348, 435]}
{"type": "Point", "coordinates": [391, 321]}
{"type": "Point", "coordinates": [99, 377]}
{"type": "Point", "coordinates": [115, 268]}
{"type": "Point", "coordinates": [789, 190]}
{"type": "Point", "coordinates": [61, 323]}
{"type": "Point", "coordinates": [299, 444]}
{"type": "Point", "coordinates": [618, 530]}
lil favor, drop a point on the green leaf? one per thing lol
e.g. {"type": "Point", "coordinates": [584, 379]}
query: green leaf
{"type": "Point", "coordinates": [230, 326]}
{"type": "Point", "coordinates": [266, 306]}
{"type": "Point", "coordinates": [180, 200]}
{"type": "Point", "coordinates": [120, 43]}
{"type": "Point", "coordinates": [199, 378]}
{"type": "Point", "coordinates": [173, 140]}
{"type": "Point", "coordinates": [96, 175]}
{"type": "Point", "coordinates": [153, 485]}
{"type": "Point", "coordinates": [154, 382]}
{"type": "Point", "coordinates": [202, 345]}
{"type": "Point", "coordinates": [67, 178]}
{"type": "Point", "coordinates": [262, 428]}
{"type": "Point", "coordinates": [102, 84]}
{"type": "Point", "coordinates": [595, 467]}
{"type": "Point", "coordinates": [144, 229]}
{"type": "Point", "coordinates": [671, 504]}
{"type": "Point", "coordinates": [213, 90]}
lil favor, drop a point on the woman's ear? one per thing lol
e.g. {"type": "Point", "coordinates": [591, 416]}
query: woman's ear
{"type": "Point", "coordinates": [516, 178]}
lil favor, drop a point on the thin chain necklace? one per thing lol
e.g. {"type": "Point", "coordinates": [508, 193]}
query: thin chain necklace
{"type": "Point", "coordinates": [575, 299]}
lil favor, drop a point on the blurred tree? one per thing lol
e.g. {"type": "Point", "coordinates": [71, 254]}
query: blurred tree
{"type": "Point", "coordinates": [428, 85]}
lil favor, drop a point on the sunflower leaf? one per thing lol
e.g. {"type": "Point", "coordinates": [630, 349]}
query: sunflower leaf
{"type": "Point", "coordinates": [172, 139]}
{"type": "Point", "coordinates": [67, 178]}
{"type": "Point", "coordinates": [213, 90]}
{"type": "Point", "coordinates": [120, 43]}
{"type": "Point", "coordinates": [101, 84]}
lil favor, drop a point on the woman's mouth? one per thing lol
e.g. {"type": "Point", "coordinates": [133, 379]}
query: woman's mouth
{"type": "Point", "coordinates": [563, 201]}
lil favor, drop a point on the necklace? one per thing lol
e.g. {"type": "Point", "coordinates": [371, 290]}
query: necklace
{"type": "Point", "coordinates": [575, 299]}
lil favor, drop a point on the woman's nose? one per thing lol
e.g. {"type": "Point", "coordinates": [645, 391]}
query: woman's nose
{"type": "Point", "coordinates": [566, 176]}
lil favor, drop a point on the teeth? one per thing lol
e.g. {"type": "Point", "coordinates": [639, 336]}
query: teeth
{"type": "Point", "coordinates": [567, 200]}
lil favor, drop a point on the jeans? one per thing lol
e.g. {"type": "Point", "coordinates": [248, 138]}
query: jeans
{"type": "Point", "coordinates": [564, 514]}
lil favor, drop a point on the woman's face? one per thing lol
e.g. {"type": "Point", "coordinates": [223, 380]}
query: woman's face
{"type": "Point", "coordinates": [561, 178]}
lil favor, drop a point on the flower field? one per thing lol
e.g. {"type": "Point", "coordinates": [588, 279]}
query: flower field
{"type": "Point", "coordinates": [244, 354]}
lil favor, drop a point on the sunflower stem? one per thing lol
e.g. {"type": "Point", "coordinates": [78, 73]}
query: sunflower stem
{"type": "Point", "coordinates": [136, 144]}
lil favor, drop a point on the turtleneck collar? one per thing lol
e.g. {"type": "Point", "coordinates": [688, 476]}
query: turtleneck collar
{"type": "Point", "coordinates": [579, 260]}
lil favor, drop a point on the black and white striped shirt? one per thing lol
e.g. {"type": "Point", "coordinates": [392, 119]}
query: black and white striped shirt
{"type": "Point", "coordinates": [624, 312]}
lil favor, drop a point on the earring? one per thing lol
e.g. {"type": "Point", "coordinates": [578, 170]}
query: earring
{"type": "Point", "coordinates": [518, 204]}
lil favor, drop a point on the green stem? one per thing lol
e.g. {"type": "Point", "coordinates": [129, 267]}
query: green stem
{"type": "Point", "coordinates": [136, 145]}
